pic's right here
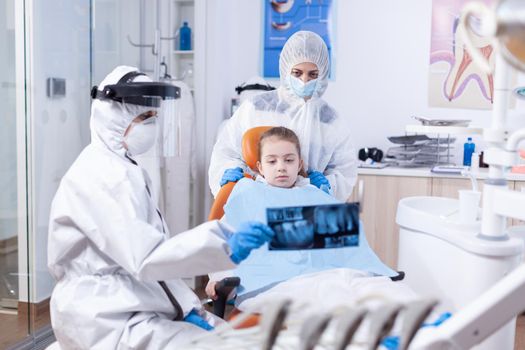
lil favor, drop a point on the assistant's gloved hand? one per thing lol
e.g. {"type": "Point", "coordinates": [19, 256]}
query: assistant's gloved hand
{"type": "Point", "coordinates": [251, 235]}
{"type": "Point", "coordinates": [318, 179]}
{"type": "Point", "coordinates": [232, 175]}
{"type": "Point", "coordinates": [196, 319]}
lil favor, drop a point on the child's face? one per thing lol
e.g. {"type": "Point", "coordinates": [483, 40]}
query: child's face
{"type": "Point", "coordinates": [280, 164]}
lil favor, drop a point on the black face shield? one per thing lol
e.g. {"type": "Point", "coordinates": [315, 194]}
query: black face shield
{"type": "Point", "coordinates": [147, 94]}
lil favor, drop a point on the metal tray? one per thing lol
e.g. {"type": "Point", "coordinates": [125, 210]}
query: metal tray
{"type": "Point", "coordinates": [408, 139]}
{"type": "Point", "coordinates": [442, 122]}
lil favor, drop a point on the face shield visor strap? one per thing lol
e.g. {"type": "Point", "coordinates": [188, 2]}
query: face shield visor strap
{"type": "Point", "coordinates": [259, 87]}
{"type": "Point", "coordinates": [147, 94]}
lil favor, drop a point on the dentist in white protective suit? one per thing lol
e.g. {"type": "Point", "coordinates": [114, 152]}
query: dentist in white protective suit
{"type": "Point", "coordinates": [118, 272]}
{"type": "Point", "coordinates": [326, 143]}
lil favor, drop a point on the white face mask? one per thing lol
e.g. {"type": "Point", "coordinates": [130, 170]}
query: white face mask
{"type": "Point", "coordinates": [141, 137]}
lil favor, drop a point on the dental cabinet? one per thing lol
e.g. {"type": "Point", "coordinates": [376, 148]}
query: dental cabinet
{"type": "Point", "coordinates": [383, 188]}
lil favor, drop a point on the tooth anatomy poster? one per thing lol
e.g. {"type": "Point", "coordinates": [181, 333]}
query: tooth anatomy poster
{"type": "Point", "coordinates": [282, 18]}
{"type": "Point", "coordinates": [455, 81]}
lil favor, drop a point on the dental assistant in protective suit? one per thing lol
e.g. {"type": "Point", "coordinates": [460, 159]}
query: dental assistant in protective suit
{"type": "Point", "coordinates": [118, 272]}
{"type": "Point", "coordinates": [326, 146]}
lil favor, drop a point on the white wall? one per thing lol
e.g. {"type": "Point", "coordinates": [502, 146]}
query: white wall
{"type": "Point", "coordinates": [381, 71]}
{"type": "Point", "coordinates": [113, 21]}
{"type": "Point", "coordinates": [231, 45]}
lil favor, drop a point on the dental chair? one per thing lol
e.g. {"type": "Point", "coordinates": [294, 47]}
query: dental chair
{"type": "Point", "coordinates": [250, 154]}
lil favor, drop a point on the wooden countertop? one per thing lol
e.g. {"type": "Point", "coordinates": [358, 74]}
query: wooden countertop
{"type": "Point", "coordinates": [425, 172]}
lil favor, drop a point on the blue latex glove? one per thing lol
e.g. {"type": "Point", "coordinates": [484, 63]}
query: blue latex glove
{"type": "Point", "coordinates": [232, 175]}
{"type": "Point", "coordinates": [196, 319]}
{"type": "Point", "coordinates": [319, 180]}
{"type": "Point", "coordinates": [251, 235]}
{"type": "Point", "coordinates": [392, 342]}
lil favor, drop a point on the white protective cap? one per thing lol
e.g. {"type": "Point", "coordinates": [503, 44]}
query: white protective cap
{"type": "Point", "coordinates": [305, 46]}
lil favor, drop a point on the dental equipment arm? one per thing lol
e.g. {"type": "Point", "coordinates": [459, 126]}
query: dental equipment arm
{"type": "Point", "coordinates": [478, 320]}
{"type": "Point", "coordinates": [273, 321]}
{"type": "Point", "coordinates": [413, 316]}
{"type": "Point", "coordinates": [312, 330]}
{"type": "Point", "coordinates": [501, 303]}
{"type": "Point", "coordinates": [381, 322]}
{"type": "Point", "coordinates": [347, 326]}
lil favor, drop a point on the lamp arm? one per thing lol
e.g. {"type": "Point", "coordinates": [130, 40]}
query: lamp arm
{"type": "Point", "coordinates": [514, 139]}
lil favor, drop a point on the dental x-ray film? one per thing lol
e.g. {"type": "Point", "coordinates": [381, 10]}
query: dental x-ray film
{"type": "Point", "coordinates": [314, 227]}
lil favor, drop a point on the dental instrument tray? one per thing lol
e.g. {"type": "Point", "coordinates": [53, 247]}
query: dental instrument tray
{"type": "Point", "coordinates": [442, 122]}
{"type": "Point", "coordinates": [441, 141]}
{"type": "Point", "coordinates": [419, 151]}
{"type": "Point", "coordinates": [408, 139]}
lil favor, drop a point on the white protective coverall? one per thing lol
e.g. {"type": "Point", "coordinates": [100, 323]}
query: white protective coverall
{"type": "Point", "coordinates": [326, 144]}
{"type": "Point", "coordinates": [109, 247]}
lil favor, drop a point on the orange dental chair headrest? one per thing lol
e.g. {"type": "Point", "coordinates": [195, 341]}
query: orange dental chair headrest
{"type": "Point", "coordinates": [250, 154]}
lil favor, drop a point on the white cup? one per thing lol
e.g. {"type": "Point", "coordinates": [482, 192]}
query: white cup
{"type": "Point", "coordinates": [468, 206]}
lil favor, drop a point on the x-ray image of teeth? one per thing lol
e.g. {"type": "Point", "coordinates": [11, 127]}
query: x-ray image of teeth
{"type": "Point", "coordinates": [281, 26]}
{"type": "Point", "coordinates": [282, 6]}
{"type": "Point", "coordinates": [314, 227]}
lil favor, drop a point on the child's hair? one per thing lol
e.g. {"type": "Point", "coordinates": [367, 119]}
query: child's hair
{"type": "Point", "coordinates": [282, 134]}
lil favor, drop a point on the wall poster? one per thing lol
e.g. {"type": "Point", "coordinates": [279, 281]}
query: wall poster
{"type": "Point", "coordinates": [282, 18]}
{"type": "Point", "coordinates": [454, 79]}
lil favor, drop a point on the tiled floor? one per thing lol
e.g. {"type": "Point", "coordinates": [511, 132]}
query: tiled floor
{"type": "Point", "coordinates": [8, 279]}
{"type": "Point", "coordinates": [16, 327]}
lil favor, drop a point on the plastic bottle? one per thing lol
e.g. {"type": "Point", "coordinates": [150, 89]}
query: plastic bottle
{"type": "Point", "coordinates": [185, 37]}
{"type": "Point", "coordinates": [468, 149]}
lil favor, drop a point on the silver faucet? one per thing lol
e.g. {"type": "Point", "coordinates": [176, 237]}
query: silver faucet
{"type": "Point", "coordinates": [473, 181]}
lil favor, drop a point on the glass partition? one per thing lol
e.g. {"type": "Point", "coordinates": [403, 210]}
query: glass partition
{"type": "Point", "coordinates": [13, 238]}
{"type": "Point", "coordinates": [52, 52]}
{"type": "Point", "coordinates": [45, 79]}
{"type": "Point", "coordinates": [59, 84]}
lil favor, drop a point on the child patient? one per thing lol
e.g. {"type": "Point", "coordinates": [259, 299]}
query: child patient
{"type": "Point", "coordinates": [311, 274]}
{"type": "Point", "coordinates": [280, 163]}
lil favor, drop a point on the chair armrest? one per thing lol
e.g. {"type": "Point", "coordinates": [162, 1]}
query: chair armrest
{"type": "Point", "coordinates": [223, 288]}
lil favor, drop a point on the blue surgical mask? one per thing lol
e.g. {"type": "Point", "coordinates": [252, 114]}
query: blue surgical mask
{"type": "Point", "coordinates": [300, 88]}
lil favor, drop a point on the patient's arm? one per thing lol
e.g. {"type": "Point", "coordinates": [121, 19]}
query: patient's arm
{"type": "Point", "coordinates": [210, 289]}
